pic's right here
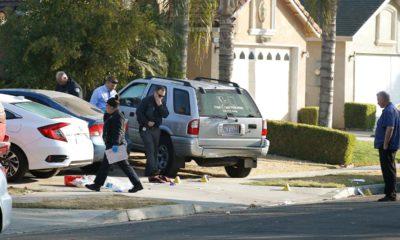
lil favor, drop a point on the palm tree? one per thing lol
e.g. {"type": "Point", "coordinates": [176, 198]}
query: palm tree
{"type": "Point", "coordinates": [226, 25]}
{"type": "Point", "coordinates": [190, 19]}
{"type": "Point", "coordinates": [326, 11]}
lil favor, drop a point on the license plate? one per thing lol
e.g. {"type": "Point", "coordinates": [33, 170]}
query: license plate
{"type": "Point", "coordinates": [231, 129]}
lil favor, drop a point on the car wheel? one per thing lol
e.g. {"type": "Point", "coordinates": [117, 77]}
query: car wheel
{"type": "Point", "coordinates": [48, 173]}
{"type": "Point", "coordinates": [16, 164]}
{"type": "Point", "coordinates": [237, 171]}
{"type": "Point", "coordinates": [92, 168]}
{"type": "Point", "coordinates": [166, 157]}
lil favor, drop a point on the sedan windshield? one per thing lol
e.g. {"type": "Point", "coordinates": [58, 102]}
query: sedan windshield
{"type": "Point", "coordinates": [78, 106]}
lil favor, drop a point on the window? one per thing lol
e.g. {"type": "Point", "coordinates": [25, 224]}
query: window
{"type": "Point", "coordinates": [218, 102]}
{"type": "Point", "coordinates": [251, 56]}
{"type": "Point", "coordinates": [78, 106]}
{"type": "Point", "coordinates": [269, 56]}
{"type": "Point", "coordinates": [260, 56]}
{"type": "Point", "coordinates": [41, 110]}
{"type": "Point", "coordinates": [131, 96]}
{"type": "Point", "coordinates": [278, 57]}
{"type": "Point", "coordinates": [181, 102]}
{"type": "Point", "coordinates": [242, 56]}
{"type": "Point", "coordinates": [287, 58]}
{"type": "Point", "coordinates": [10, 115]}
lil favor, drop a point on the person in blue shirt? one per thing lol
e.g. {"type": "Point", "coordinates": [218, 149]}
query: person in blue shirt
{"type": "Point", "coordinates": [387, 139]}
{"type": "Point", "coordinates": [102, 94]}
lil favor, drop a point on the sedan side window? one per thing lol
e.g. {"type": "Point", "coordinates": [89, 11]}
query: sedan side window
{"type": "Point", "coordinates": [10, 115]}
{"type": "Point", "coordinates": [131, 97]}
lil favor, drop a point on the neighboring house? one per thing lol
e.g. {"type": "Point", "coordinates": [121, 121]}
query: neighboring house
{"type": "Point", "coordinates": [270, 46]}
{"type": "Point", "coordinates": [367, 55]}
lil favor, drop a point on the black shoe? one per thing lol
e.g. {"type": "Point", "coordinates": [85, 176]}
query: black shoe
{"type": "Point", "coordinates": [387, 199]}
{"type": "Point", "coordinates": [93, 187]}
{"type": "Point", "coordinates": [136, 188]}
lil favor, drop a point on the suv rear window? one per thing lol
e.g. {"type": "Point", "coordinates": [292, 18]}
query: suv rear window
{"type": "Point", "coordinates": [41, 110]}
{"type": "Point", "coordinates": [78, 106]}
{"type": "Point", "coordinates": [227, 102]}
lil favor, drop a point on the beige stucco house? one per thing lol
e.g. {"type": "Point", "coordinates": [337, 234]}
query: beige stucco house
{"type": "Point", "coordinates": [270, 46]}
{"type": "Point", "coordinates": [367, 55]}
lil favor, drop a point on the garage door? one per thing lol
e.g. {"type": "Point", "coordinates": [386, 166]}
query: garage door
{"type": "Point", "coordinates": [376, 73]}
{"type": "Point", "coordinates": [265, 73]}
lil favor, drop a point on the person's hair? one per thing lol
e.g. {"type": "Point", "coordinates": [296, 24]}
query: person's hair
{"type": "Point", "coordinates": [159, 87]}
{"type": "Point", "coordinates": [59, 74]}
{"type": "Point", "coordinates": [114, 101]}
{"type": "Point", "coordinates": [111, 78]}
{"type": "Point", "coordinates": [384, 95]}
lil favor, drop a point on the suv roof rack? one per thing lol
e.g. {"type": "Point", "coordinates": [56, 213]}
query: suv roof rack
{"type": "Point", "coordinates": [185, 83]}
{"type": "Point", "coordinates": [213, 80]}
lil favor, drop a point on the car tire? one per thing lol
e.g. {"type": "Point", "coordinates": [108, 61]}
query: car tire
{"type": "Point", "coordinates": [16, 163]}
{"type": "Point", "coordinates": [166, 157]}
{"type": "Point", "coordinates": [48, 173]}
{"type": "Point", "coordinates": [92, 168]}
{"type": "Point", "coordinates": [237, 171]}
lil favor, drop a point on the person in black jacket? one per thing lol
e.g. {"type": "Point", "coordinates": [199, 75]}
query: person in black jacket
{"type": "Point", "coordinates": [67, 85]}
{"type": "Point", "coordinates": [114, 136]}
{"type": "Point", "coordinates": [150, 113]}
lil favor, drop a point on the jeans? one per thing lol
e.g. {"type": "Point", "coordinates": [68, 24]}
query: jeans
{"type": "Point", "coordinates": [388, 166]}
{"type": "Point", "coordinates": [124, 165]}
{"type": "Point", "coordinates": [151, 138]}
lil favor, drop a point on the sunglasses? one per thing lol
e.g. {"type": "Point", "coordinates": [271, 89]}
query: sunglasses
{"type": "Point", "coordinates": [161, 96]}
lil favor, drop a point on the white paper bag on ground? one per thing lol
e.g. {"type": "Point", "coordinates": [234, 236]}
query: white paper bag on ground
{"type": "Point", "coordinates": [120, 155]}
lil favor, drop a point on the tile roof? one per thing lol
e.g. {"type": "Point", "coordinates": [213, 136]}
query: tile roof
{"type": "Point", "coordinates": [352, 14]}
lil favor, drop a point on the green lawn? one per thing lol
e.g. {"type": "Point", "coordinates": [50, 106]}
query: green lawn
{"type": "Point", "coordinates": [329, 181]}
{"type": "Point", "coordinates": [364, 154]}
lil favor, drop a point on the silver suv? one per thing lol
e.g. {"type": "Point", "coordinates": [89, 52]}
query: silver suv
{"type": "Point", "coordinates": [213, 122]}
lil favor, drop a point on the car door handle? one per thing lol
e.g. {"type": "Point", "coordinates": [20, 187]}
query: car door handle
{"type": "Point", "coordinates": [131, 114]}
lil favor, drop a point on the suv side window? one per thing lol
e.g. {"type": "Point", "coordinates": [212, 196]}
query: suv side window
{"type": "Point", "coordinates": [181, 102]}
{"type": "Point", "coordinates": [131, 96]}
{"type": "Point", "coordinates": [151, 92]}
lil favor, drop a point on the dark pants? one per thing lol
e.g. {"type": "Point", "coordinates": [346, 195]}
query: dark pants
{"type": "Point", "coordinates": [388, 166]}
{"type": "Point", "coordinates": [124, 165]}
{"type": "Point", "coordinates": [151, 138]}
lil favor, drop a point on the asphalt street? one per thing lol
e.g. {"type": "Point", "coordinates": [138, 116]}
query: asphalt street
{"type": "Point", "coordinates": [356, 218]}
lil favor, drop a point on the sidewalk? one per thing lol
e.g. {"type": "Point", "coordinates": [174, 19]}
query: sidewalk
{"type": "Point", "coordinates": [190, 197]}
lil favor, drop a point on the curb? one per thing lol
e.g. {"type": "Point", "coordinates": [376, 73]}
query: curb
{"type": "Point", "coordinates": [374, 189]}
{"type": "Point", "coordinates": [165, 211]}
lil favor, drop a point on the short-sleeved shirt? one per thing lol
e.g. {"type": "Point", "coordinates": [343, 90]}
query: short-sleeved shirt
{"type": "Point", "coordinates": [389, 118]}
{"type": "Point", "coordinates": [100, 97]}
{"type": "Point", "coordinates": [71, 87]}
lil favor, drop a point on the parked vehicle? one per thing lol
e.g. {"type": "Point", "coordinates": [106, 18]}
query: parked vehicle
{"type": "Point", "coordinates": [5, 200]}
{"type": "Point", "coordinates": [73, 106]}
{"type": "Point", "coordinates": [4, 139]}
{"type": "Point", "coordinates": [43, 140]}
{"type": "Point", "coordinates": [213, 122]}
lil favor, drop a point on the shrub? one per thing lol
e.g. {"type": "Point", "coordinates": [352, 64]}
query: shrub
{"type": "Point", "coordinates": [313, 143]}
{"type": "Point", "coordinates": [308, 115]}
{"type": "Point", "coordinates": [359, 116]}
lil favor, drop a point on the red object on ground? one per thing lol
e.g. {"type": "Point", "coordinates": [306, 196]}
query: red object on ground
{"type": "Point", "coordinates": [69, 178]}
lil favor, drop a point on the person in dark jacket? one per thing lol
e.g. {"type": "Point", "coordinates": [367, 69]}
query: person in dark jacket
{"type": "Point", "coordinates": [114, 136]}
{"type": "Point", "coordinates": [67, 85]}
{"type": "Point", "coordinates": [150, 113]}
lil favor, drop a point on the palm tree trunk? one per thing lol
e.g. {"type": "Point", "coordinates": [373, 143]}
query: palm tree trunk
{"type": "Point", "coordinates": [185, 37]}
{"type": "Point", "coordinates": [327, 69]}
{"type": "Point", "coordinates": [226, 26]}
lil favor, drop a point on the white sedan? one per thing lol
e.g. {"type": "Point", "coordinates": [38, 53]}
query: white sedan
{"type": "Point", "coordinates": [5, 201]}
{"type": "Point", "coordinates": [43, 140]}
